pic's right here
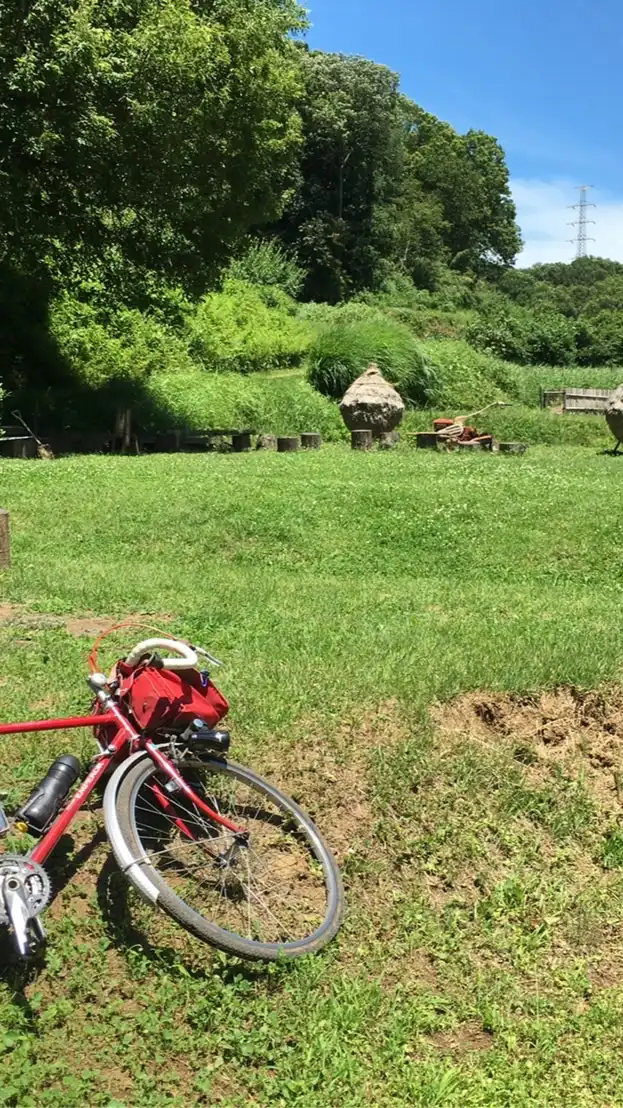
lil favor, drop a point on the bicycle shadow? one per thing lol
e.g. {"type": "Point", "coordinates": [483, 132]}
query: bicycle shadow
{"type": "Point", "coordinates": [113, 897]}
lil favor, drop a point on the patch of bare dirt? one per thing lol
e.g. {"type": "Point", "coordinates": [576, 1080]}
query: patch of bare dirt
{"type": "Point", "coordinates": [606, 974]}
{"type": "Point", "coordinates": [414, 967]}
{"type": "Point", "coordinates": [465, 1039]}
{"type": "Point", "coordinates": [329, 775]}
{"type": "Point", "coordinates": [581, 732]}
{"type": "Point", "coordinates": [89, 626]}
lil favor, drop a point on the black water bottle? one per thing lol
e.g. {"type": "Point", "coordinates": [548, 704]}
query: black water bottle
{"type": "Point", "coordinates": [45, 801]}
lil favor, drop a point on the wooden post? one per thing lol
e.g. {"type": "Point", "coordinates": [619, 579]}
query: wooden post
{"type": "Point", "coordinates": [123, 430]}
{"type": "Point", "coordinates": [361, 440]}
{"type": "Point", "coordinates": [240, 443]}
{"type": "Point", "coordinates": [311, 440]}
{"type": "Point", "coordinates": [5, 545]}
{"type": "Point", "coordinates": [288, 444]}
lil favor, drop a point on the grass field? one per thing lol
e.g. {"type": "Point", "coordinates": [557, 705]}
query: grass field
{"type": "Point", "coordinates": [375, 612]}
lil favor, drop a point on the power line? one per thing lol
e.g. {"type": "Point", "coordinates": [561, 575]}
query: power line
{"type": "Point", "coordinates": [582, 222]}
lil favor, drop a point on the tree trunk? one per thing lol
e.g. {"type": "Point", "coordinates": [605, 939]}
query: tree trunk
{"type": "Point", "coordinates": [361, 440]}
{"type": "Point", "coordinates": [288, 444]}
{"type": "Point", "coordinates": [5, 545]}
{"type": "Point", "coordinates": [123, 430]}
{"type": "Point", "coordinates": [311, 440]}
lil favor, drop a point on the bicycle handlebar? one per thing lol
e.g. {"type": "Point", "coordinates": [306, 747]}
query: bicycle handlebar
{"type": "Point", "coordinates": [186, 659]}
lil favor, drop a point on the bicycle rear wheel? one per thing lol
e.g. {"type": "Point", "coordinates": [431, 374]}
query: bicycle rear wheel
{"type": "Point", "coordinates": [278, 895]}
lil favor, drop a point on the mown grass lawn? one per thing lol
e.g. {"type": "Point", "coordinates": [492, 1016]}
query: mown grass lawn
{"type": "Point", "coordinates": [481, 962]}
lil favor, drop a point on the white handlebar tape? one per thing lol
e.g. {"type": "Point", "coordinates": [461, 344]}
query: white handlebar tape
{"type": "Point", "coordinates": [186, 657]}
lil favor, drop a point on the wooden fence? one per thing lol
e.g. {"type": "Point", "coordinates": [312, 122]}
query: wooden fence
{"type": "Point", "coordinates": [579, 401]}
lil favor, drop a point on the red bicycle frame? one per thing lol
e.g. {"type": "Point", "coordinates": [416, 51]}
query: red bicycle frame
{"type": "Point", "coordinates": [126, 737]}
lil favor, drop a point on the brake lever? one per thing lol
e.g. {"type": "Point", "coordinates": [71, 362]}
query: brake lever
{"type": "Point", "coordinates": [205, 654]}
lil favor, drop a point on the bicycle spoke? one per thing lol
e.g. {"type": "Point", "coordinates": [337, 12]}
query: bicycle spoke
{"type": "Point", "coordinates": [267, 887]}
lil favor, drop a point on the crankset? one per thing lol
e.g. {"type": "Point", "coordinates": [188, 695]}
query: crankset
{"type": "Point", "coordinates": [24, 893]}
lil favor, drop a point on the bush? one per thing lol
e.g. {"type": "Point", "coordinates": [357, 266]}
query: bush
{"type": "Point", "coordinates": [342, 351]}
{"type": "Point", "coordinates": [285, 405]}
{"type": "Point", "coordinates": [130, 346]}
{"type": "Point", "coordinates": [244, 329]}
{"type": "Point", "coordinates": [266, 264]}
{"type": "Point", "coordinates": [602, 339]}
{"type": "Point", "coordinates": [469, 379]}
{"type": "Point", "coordinates": [520, 335]}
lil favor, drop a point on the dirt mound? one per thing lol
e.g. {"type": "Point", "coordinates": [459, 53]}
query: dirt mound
{"type": "Point", "coordinates": [578, 730]}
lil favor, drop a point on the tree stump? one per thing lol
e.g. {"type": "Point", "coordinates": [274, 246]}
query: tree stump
{"type": "Point", "coordinates": [266, 442]}
{"type": "Point", "coordinates": [5, 545]}
{"type": "Point", "coordinates": [311, 440]}
{"type": "Point", "coordinates": [361, 440]}
{"type": "Point", "coordinates": [288, 444]}
{"type": "Point", "coordinates": [426, 440]}
{"type": "Point", "coordinates": [513, 448]}
{"type": "Point", "coordinates": [387, 440]}
{"type": "Point", "coordinates": [240, 443]}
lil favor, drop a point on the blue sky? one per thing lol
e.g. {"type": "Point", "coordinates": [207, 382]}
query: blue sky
{"type": "Point", "coordinates": [544, 77]}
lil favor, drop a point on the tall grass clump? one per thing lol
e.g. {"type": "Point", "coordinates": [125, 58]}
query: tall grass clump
{"type": "Point", "coordinates": [343, 350]}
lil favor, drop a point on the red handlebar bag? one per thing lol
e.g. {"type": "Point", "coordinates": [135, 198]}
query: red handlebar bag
{"type": "Point", "coordinates": [163, 698]}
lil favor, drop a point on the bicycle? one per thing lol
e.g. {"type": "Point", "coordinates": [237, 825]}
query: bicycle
{"type": "Point", "coordinates": [227, 855]}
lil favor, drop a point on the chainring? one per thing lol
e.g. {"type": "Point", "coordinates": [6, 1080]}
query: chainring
{"type": "Point", "coordinates": [34, 877]}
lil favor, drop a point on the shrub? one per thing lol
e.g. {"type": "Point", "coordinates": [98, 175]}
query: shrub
{"type": "Point", "coordinates": [266, 264]}
{"type": "Point", "coordinates": [244, 329]}
{"type": "Point", "coordinates": [520, 335]}
{"type": "Point", "coordinates": [130, 346]}
{"type": "Point", "coordinates": [341, 352]}
{"type": "Point", "coordinates": [602, 339]}
{"type": "Point", "coordinates": [467, 378]}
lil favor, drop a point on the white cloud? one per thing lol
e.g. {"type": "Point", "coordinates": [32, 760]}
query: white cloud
{"type": "Point", "coordinates": [543, 213]}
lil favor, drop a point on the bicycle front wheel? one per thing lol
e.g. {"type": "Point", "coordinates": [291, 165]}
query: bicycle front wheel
{"type": "Point", "coordinates": [277, 895]}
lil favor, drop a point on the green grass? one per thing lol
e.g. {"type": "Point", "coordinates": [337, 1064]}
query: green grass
{"type": "Point", "coordinates": [347, 593]}
{"type": "Point", "coordinates": [279, 402]}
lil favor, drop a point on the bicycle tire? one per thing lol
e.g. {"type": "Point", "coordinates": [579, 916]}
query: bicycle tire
{"type": "Point", "coordinates": [194, 922]}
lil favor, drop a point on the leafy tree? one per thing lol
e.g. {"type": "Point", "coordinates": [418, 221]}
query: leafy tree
{"type": "Point", "coordinates": [605, 296]}
{"type": "Point", "coordinates": [341, 219]}
{"type": "Point", "coordinates": [583, 271]}
{"type": "Point", "coordinates": [466, 175]}
{"type": "Point", "coordinates": [163, 129]}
